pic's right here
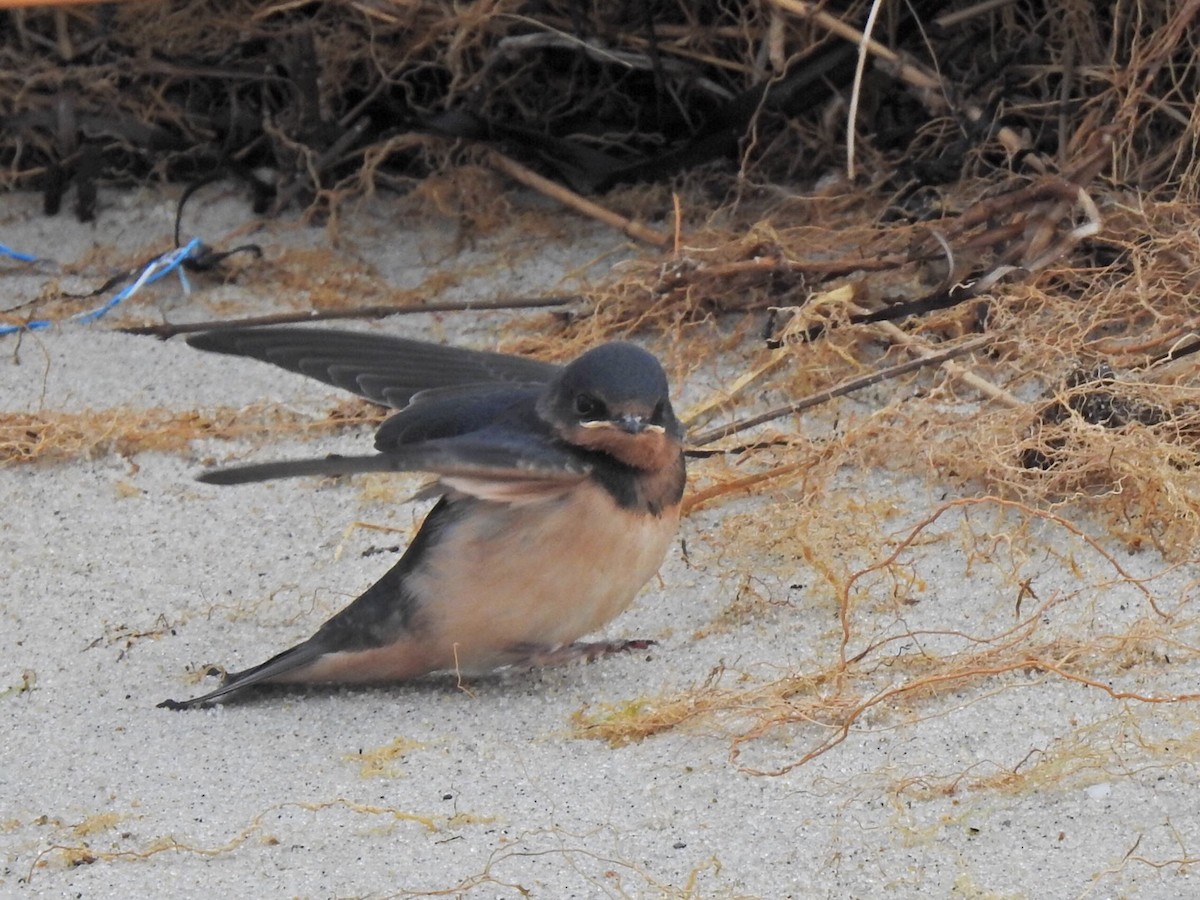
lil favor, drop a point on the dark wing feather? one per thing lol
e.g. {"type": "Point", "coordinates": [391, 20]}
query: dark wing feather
{"type": "Point", "coordinates": [449, 411]}
{"type": "Point", "coordinates": [492, 455]}
{"type": "Point", "coordinates": [381, 368]}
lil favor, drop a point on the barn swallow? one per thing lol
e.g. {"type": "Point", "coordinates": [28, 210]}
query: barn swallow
{"type": "Point", "coordinates": [558, 487]}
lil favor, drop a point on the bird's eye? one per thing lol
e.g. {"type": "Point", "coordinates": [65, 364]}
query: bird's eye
{"type": "Point", "coordinates": [660, 410]}
{"type": "Point", "coordinates": [588, 407]}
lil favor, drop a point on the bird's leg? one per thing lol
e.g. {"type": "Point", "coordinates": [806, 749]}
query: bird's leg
{"type": "Point", "coordinates": [536, 657]}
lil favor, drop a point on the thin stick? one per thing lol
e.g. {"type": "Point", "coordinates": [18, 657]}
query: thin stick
{"type": "Point", "coordinates": [569, 198]}
{"type": "Point", "coordinates": [924, 351]}
{"type": "Point", "coordinates": [952, 19]}
{"type": "Point", "coordinates": [846, 387]}
{"type": "Point", "coordinates": [24, 4]}
{"type": "Point", "coordinates": [168, 330]}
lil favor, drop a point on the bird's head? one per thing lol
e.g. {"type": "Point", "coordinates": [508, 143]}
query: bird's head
{"type": "Point", "coordinates": [614, 399]}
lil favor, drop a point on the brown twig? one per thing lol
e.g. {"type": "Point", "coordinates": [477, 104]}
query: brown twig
{"type": "Point", "coordinates": [23, 4]}
{"type": "Point", "coordinates": [569, 198]}
{"type": "Point", "coordinates": [953, 369]}
{"type": "Point", "coordinates": [168, 330]}
{"type": "Point", "coordinates": [846, 387]}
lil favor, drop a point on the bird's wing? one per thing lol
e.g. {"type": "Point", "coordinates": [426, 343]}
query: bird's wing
{"type": "Point", "coordinates": [495, 463]}
{"type": "Point", "coordinates": [450, 411]}
{"type": "Point", "coordinates": [381, 368]}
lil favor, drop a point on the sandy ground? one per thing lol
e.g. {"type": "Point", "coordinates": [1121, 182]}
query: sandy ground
{"type": "Point", "coordinates": [125, 578]}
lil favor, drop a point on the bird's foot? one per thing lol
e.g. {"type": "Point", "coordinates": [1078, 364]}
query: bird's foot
{"type": "Point", "coordinates": [588, 651]}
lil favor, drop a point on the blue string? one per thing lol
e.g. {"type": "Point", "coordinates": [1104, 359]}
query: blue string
{"type": "Point", "coordinates": [17, 254]}
{"type": "Point", "coordinates": [158, 268]}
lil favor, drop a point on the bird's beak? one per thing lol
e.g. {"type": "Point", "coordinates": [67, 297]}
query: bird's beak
{"type": "Point", "coordinates": [632, 424]}
{"type": "Point", "coordinates": [628, 423]}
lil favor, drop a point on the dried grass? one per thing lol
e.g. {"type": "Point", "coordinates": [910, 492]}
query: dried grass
{"type": "Point", "coordinates": [63, 436]}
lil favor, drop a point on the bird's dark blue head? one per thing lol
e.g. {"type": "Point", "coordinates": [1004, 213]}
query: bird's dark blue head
{"type": "Point", "coordinates": [615, 399]}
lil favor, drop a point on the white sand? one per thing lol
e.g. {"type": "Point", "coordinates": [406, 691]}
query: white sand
{"type": "Point", "coordinates": [123, 574]}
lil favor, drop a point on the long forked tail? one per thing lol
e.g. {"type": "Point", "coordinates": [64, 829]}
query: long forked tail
{"type": "Point", "coordinates": [288, 661]}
